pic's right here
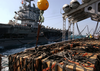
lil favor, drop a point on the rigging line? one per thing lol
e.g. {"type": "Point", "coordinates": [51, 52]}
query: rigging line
{"type": "Point", "coordinates": [83, 30]}
{"type": "Point", "coordinates": [90, 31]}
{"type": "Point", "coordinates": [44, 36]}
{"type": "Point", "coordinates": [52, 13]}
{"type": "Point", "coordinates": [87, 29]}
{"type": "Point", "coordinates": [96, 27]}
{"type": "Point", "coordinates": [37, 40]}
{"type": "Point", "coordinates": [57, 22]}
{"type": "Point", "coordinates": [53, 16]}
{"type": "Point", "coordinates": [39, 27]}
{"type": "Point", "coordinates": [47, 15]}
{"type": "Point", "coordinates": [78, 30]}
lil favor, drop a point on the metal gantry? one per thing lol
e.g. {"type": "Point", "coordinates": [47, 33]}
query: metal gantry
{"type": "Point", "coordinates": [90, 9]}
{"type": "Point", "coordinates": [73, 30]}
{"type": "Point", "coordinates": [64, 29]}
{"type": "Point", "coordinates": [69, 30]}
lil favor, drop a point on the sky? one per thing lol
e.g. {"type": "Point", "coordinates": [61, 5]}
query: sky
{"type": "Point", "coordinates": [53, 17]}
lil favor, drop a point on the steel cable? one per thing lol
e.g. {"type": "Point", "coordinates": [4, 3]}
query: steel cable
{"type": "Point", "coordinates": [83, 30]}
{"type": "Point", "coordinates": [98, 30]}
{"type": "Point", "coordinates": [78, 30]}
{"type": "Point", "coordinates": [96, 27]}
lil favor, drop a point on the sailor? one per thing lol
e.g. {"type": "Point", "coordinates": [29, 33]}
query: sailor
{"type": "Point", "coordinates": [90, 36]}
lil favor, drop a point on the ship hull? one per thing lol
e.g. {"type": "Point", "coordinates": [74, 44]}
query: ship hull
{"type": "Point", "coordinates": [17, 35]}
{"type": "Point", "coordinates": [11, 42]}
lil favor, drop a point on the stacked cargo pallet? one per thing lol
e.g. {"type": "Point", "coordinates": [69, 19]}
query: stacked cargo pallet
{"type": "Point", "coordinates": [79, 55]}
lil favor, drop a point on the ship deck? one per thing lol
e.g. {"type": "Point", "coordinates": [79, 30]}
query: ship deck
{"type": "Point", "coordinates": [78, 55]}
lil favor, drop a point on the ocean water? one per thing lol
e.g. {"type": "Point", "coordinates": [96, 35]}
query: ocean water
{"type": "Point", "coordinates": [19, 48]}
{"type": "Point", "coordinates": [77, 36]}
{"type": "Point", "coordinates": [14, 49]}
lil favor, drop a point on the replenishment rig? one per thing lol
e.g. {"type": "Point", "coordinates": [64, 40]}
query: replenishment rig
{"type": "Point", "coordinates": [72, 55]}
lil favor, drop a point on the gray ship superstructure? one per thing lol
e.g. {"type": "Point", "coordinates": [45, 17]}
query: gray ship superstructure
{"type": "Point", "coordinates": [14, 33]}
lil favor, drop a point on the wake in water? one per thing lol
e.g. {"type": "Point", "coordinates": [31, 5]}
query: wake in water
{"type": "Point", "coordinates": [15, 49]}
{"type": "Point", "coordinates": [12, 51]}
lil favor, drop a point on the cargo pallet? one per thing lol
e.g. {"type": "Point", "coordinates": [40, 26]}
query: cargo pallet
{"type": "Point", "coordinates": [73, 55]}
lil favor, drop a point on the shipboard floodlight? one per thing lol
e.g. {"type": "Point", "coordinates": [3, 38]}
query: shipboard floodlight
{"type": "Point", "coordinates": [66, 8]}
{"type": "Point", "coordinates": [74, 4]}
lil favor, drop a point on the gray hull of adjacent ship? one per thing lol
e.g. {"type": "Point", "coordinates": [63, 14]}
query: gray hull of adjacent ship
{"type": "Point", "coordinates": [19, 34]}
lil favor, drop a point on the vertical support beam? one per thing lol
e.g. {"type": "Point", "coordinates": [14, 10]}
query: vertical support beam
{"type": "Point", "coordinates": [64, 29]}
{"type": "Point", "coordinates": [69, 29]}
{"type": "Point", "coordinates": [73, 30]}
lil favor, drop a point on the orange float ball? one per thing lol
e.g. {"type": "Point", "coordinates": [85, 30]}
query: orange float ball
{"type": "Point", "coordinates": [43, 4]}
